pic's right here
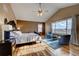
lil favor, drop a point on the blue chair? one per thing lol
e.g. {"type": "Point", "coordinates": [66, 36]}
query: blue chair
{"type": "Point", "coordinates": [48, 35]}
{"type": "Point", "coordinates": [64, 39]}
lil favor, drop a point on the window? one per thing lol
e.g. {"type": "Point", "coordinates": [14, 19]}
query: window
{"type": "Point", "coordinates": [39, 27]}
{"type": "Point", "coordinates": [69, 25]}
{"type": "Point", "coordinates": [62, 27]}
{"type": "Point", "coordinates": [53, 27]}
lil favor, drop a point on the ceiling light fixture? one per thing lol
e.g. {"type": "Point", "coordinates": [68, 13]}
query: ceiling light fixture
{"type": "Point", "coordinates": [40, 11]}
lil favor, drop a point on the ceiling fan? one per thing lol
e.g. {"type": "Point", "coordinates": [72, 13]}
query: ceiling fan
{"type": "Point", "coordinates": [40, 10]}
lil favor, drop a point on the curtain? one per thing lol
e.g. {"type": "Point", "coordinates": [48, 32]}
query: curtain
{"type": "Point", "coordinates": [74, 39]}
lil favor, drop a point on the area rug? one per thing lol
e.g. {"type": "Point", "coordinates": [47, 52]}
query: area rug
{"type": "Point", "coordinates": [53, 44]}
{"type": "Point", "coordinates": [38, 49]}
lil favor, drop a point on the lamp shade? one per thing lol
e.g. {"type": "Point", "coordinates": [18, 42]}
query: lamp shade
{"type": "Point", "coordinates": [8, 27]}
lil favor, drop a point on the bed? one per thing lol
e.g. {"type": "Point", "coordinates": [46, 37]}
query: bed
{"type": "Point", "coordinates": [25, 37]}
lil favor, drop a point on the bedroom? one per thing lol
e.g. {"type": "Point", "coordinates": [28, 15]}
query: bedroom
{"type": "Point", "coordinates": [25, 28]}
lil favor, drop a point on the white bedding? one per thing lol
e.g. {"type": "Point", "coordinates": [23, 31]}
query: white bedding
{"type": "Point", "coordinates": [26, 37]}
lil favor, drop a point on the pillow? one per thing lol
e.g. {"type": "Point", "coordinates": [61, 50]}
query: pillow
{"type": "Point", "coordinates": [19, 33]}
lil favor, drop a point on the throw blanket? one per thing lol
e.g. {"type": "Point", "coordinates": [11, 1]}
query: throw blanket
{"type": "Point", "coordinates": [26, 37]}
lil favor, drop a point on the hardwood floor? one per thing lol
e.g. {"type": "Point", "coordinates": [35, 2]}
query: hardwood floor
{"type": "Point", "coordinates": [42, 49]}
{"type": "Point", "coordinates": [74, 50]}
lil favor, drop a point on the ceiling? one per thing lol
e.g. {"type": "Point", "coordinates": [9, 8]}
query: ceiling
{"type": "Point", "coordinates": [27, 11]}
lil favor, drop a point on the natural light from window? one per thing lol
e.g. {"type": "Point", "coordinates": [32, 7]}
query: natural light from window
{"type": "Point", "coordinates": [39, 27]}
{"type": "Point", "coordinates": [62, 27]}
